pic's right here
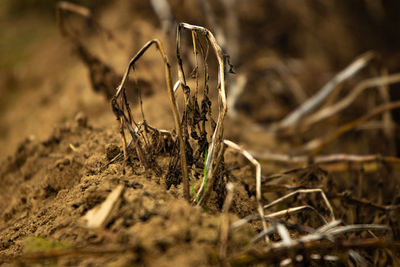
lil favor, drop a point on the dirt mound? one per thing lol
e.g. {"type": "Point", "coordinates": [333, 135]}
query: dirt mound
{"type": "Point", "coordinates": [47, 187]}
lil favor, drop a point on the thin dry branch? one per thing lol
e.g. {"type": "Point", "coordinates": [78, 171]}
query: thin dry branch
{"type": "Point", "coordinates": [316, 100]}
{"type": "Point", "coordinates": [174, 106]}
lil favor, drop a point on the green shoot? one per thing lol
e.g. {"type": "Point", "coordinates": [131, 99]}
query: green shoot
{"type": "Point", "coordinates": [194, 191]}
{"type": "Point", "coordinates": [205, 169]}
{"type": "Point", "coordinates": [205, 180]}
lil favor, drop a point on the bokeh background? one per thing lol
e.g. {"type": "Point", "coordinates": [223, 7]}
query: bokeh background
{"type": "Point", "coordinates": [276, 45]}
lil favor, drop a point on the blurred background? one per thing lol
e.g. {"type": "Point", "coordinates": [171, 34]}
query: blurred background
{"type": "Point", "coordinates": [283, 52]}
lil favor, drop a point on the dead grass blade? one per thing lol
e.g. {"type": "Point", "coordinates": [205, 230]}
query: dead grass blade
{"type": "Point", "coordinates": [344, 103]}
{"type": "Point", "coordinates": [316, 100]}
{"type": "Point", "coordinates": [305, 191]}
{"type": "Point", "coordinates": [332, 162]}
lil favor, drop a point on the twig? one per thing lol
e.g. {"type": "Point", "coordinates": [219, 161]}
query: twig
{"type": "Point", "coordinates": [167, 68]}
{"type": "Point", "coordinates": [316, 100]}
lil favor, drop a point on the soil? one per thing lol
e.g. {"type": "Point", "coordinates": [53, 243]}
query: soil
{"type": "Point", "coordinates": [59, 135]}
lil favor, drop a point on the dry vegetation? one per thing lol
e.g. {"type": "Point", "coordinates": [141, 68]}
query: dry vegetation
{"type": "Point", "coordinates": [269, 137]}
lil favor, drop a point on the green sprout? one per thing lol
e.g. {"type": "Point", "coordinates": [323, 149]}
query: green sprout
{"type": "Point", "coordinates": [205, 180]}
{"type": "Point", "coordinates": [194, 191]}
{"type": "Point", "coordinates": [205, 169]}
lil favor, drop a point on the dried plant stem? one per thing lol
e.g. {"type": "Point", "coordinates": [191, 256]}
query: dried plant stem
{"type": "Point", "coordinates": [305, 191]}
{"type": "Point", "coordinates": [369, 83]}
{"type": "Point", "coordinates": [125, 123]}
{"type": "Point", "coordinates": [316, 100]}
{"type": "Point", "coordinates": [258, 180]}
{"type": "Point", "coordinates": [124, 147]}
{"type": "Point", "coordinates": [216, 140]}
{"type": "Point", "coordinates": [194, 37]}
{"type": "Point", "coordinates": [167, 68]}
{"type": "Point", "coordinates": [387, 120]}
{"type": "Point", "coordinates": [295, 210]}
{"type": "Point", "coordinates": [351, 125]}
{"type": "Point", "coordinates": [324, 159]}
